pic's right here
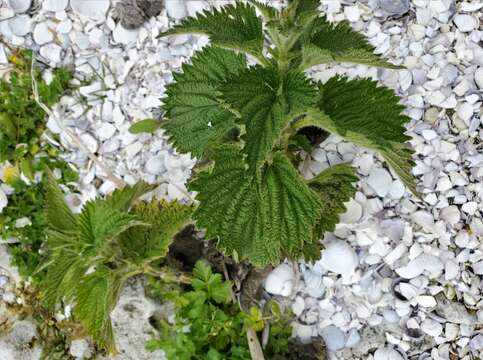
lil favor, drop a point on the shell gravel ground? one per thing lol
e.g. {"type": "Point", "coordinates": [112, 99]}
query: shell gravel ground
{"type": "Point", "coordinates": [400, 278]}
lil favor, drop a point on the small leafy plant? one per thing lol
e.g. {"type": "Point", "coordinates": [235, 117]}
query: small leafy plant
{"type": "Point", "coordinates": [249, 120]}
{"type": "Point", "coordinates": [92, 254]}
{"type": "Point", "coordinates": [24, 219]}
{"type": "Point", "coordinates": [209, 325]}
{"type": "Point", "coordinates": [21, 119]}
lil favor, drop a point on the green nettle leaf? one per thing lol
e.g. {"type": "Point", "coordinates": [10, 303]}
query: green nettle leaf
{"type": "Point", "coordinates": [196, 117]}
{"type": "Point", "coordinates": [97, 294]}
{"type": "Point", "coordinates": [58, 213]}
{"type": "Point", "coordinates": [90, 255]}
{"type": "Point", "coordinates": [99, 223]}
{"type": "Point", "coordinates": [335, 186]}
{"type": "Point", "coordinates": [144, 126]}
{"type": "Point", "coordinates": [142, 244]}
{"type": "Point", "coordinates": [339, 43]}
{"type": "Point", "coordinates": [257, 121]}
{"type": "Point", "coordinates": [234, 27]}
{"type": "Point", "coordinates": [259, 219]}
{"type": "Point", "coordinates": [367, 115]}
{"type": "Point", "coordinates": [266, 100]}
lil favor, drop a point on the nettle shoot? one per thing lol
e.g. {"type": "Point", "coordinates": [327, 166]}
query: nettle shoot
{"type": "Point", "coordinates": [251, 122]}
{"type": "Point", "coordinates": [92, 254]}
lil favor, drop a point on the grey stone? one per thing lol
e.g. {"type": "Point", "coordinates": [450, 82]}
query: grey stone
{"type": "Point", "coordinates": [395, 7]}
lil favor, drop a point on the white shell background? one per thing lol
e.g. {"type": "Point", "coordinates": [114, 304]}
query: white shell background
{"type": "Point", "coordinates": [433, 249]}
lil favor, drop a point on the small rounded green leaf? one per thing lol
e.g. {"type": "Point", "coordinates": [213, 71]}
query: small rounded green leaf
{"type": "Point", "coordinates": [145, 126]}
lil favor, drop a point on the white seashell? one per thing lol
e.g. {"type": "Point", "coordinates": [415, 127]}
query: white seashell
{"type": "Point", "coordinates": [465, 23]}
{"type": "Point", "coordinates": [339, 257]}
{"type": "Point", "coordinates": [3, 200]}
{"type": "Point", "coordinates": [20, 25]}
{"type": "Point", "coordinates": [42, 34]}
{"type": "Point", "coordinates": [333, 337]}
{"type": "Point", "coordinates": [426, 301]}
{"type": "Point", "coordinates": [124, 36]}
{"type": "Point", "coordinates": [380, 181]}
{"type": "Point", "coordinates": [55, 5]}
{"type": "Point", "coordinates": [106, 131]}
{"type": "Point", "coordinates": [95, 10]}
{"type": "Point", "coordinates": [353, 212]}
{"type": "Point", "coordinates": [156, 165]}
{"type": "Point", "coordinates": [431, 327]}
{"type": "Point", "coordinates": [20, 6]}
{"type": "Point", "coordinates": [176, 9]}
{"type": "Point", "coordinates": [387, 354]}
{"type": "Point", "coordinates": [280, 281]}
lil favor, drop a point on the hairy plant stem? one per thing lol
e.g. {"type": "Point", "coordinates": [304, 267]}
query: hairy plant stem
{"type": "Point", "coordinates": [167, 276]}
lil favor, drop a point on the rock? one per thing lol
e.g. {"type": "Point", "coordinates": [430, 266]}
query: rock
{"type": "Point", "coordinates": [339, 257]}
{"type": "Point", "coordinates": [131, 323]}
{"type": "Point", "coordinates": [280, 281]}
{"type": "Point", "coordinates": [479, 77]}
{"type": "Point", "coordinates": [353, 212]}
{"type": "Point", "coordinates": [130, 14]}
{"type": "Point", "coordinates": [95, 10]}
{"type": "Point", "coordinates": [176, 9]}
{"type": "Point", "coordinates": [395, 7]}
{"type": "Point", "coordinates": [20, 6]}
{"type": "Point", "coordinates": [151, 8]}
{"type": "Point", "coordinates": [80, 349]}
{"type": "Point", "coordinates": [55, 5]}
{"type": "Point", "coordinates": [333, 337]}
{"type": "Point", "coordinates": [156, 165]}
{"type": "Point", "coordinates": [42, 34]}
{"type": "Point", "coordinates": [133, 13]}
{"type": "Point", "coordinates": [387, 354]}
{"type": "Point", "coordinates": [380, 181]}
{"type": "Point", "coordinates": [465, 23]}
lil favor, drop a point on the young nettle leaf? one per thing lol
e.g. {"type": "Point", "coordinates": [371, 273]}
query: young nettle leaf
{"type": "Point", "coordinates": [197, 117]}
{"type": "Point", "coordinates": [263, 219]}
{"type": "Point", "coordinates": [266, 100]}
{"type": "Point", "coordinates": [252, 199]}
{"type": "Point", "coordinates": [368, 115]}
{"type": "Point", "coordinates": [329, 43]}
{"type": "Point", "coordinates": [234, 27]}
{"type": "Point", "coordinates": [92, 254]}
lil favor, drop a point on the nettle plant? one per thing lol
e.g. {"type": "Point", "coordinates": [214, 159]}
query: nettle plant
{"type": "Point", "coordinates": [250, 121]}
{"type": "Point", "coordinates": [92, 254]}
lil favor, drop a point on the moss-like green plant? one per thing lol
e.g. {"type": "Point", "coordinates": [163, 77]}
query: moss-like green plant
{"type": "Point", "coordinates": [21, 118]}
{"type": "Point", "coordinates": [249, 120]}
{"type": "Point", "coordinates": [209, 325]}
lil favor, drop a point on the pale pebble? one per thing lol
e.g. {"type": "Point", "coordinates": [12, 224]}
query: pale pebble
{"type": "Point", "coordinates": [280, 281]}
